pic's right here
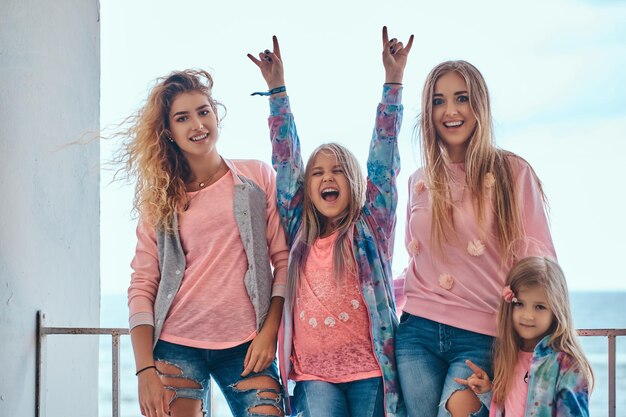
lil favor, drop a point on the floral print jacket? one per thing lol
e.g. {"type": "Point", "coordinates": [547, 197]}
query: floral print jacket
{"type": "Point", "coordinates": [373, 233]}
{"type": "Point", "coordinates": [557, 386]}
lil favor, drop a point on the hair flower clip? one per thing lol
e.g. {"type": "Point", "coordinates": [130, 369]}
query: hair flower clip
{"type": "Point", "coordinates": [508, 295]}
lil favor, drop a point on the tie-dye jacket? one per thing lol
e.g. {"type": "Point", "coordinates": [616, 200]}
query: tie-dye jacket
{"type": "Point", "coordinates": [373, 233]}
{"type": "Point", "coordinates": [557, 386]}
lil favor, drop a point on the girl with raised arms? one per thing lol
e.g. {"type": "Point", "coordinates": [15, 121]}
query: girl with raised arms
{"type": "Point", "coordinates": [203, 299]}
{"type": "Point", "coordinates": [339, 319]}
{"type": "Point", "coordinates": [473, 210]}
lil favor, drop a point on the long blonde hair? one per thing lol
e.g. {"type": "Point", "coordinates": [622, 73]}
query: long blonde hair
{"type": "Point", "coordinates": [536, 271]}
{"type": "Point", "coordinates": [314, 224]}
{"type": "Point", "coordinates": [482, 158]}
{"type": "Point", "coordinates": [151, 157]}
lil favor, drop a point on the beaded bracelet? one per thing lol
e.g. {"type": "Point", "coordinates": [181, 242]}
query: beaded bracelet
{"type": "Point", "coordinates": [276, 90]}
{"type": "Point", "coordinates": [144, 369]}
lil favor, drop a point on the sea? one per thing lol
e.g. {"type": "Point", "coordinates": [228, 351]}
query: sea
{"type": "Point", "coordinates": [591, 310]}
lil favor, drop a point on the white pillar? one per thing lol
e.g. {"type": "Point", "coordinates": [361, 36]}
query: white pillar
{"type": "Point", "coordinates": [49, 210]}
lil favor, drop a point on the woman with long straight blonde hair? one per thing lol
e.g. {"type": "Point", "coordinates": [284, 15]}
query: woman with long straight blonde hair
{"type": "Point", "coordinates": [473, 210]}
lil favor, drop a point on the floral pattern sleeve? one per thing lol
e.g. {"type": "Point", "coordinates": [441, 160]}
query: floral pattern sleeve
{"type": "Point", "coordinates": [383, 167]}
{"type": "Point", "coordinates": [572, 392]}
{"type": "Point", "coordinates": [557, 386]}
{"type": "Point", "coordinates": [287, 162]}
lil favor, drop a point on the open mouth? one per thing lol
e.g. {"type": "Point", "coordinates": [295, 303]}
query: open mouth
{"type": "Point", "coordinates": [199, 137]}
{"type": "Point", "coordinates": [453, 124]}
{"type": "Point", "coordinates": [330, 194]}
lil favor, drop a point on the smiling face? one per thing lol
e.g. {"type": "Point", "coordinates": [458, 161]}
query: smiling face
{"type": "Point", "coordinates": [452, 115]}
{"type": "Point", "coordinates": [328, 185]}
{"type": "Point", "coordinates": [193, 124]}
{"type": "Point", "coordinates": [532, 316]}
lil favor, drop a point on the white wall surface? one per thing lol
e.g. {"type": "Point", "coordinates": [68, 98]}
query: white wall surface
{"type": "Point", "coordinates": [49, 211]}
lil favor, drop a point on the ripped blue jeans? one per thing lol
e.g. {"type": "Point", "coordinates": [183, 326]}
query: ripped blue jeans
{"type": "Point", "coordinates": [196, 366]}
{"type": "Point", "coordinates": [429, 355]}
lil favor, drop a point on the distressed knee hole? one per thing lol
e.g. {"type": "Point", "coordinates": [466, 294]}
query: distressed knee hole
{"type": "Point", "coordinates": [171, 376]}
{"type": "Point", "coordinates": [179, 382]}
{"type": "Point", "coordinates": [462, 402]}
{"type": "Point", "coordinates": [269, 395]}
{"type": "Point", "coordinates": [267, 389]}
{"type": "Point", "coordinates": [257, 382]}
{"type": "Point", "coordinates": [186, 407]}
{"type": "Point", "coordinates": [166, 368]}
{"type": "Point", "coordinates": [267, 410]}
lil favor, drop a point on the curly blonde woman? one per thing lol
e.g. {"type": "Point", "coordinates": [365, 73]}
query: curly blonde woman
{"type": "Point", "coordinates": [203, 299]}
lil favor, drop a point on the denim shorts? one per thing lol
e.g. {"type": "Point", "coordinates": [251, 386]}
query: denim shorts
{"type": "Point", "coordinates": [225, 367]}
{"type": "Point", "coordinates": [429, 356]}
{"type": "Point", "coordinates": [361, 398]}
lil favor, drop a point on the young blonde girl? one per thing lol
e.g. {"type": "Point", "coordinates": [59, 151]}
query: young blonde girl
{"type": "Point", "coordinates": [203, 300]}
{"type": "Point", "coordinates": [339, 318]}
{"type": "Point", "coordinates": [539, 366]}
{"type": "Point", "coordinates": [473, 210]}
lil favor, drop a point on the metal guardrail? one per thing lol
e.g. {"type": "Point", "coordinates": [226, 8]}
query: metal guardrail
{"type": "Point", "coordinates": [43, 331]}
{"type": "Point", "coordinates": [611, 334]}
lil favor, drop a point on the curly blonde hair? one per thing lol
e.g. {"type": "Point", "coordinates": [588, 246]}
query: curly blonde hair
{"type": "Point", "coordinates": [150, 156]}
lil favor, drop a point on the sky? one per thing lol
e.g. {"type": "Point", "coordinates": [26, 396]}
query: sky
{"type": "Point", "coordinates": [555, 71]}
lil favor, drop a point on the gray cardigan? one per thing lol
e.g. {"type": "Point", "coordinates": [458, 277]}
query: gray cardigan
{"type": "Point", "coordinates": [250, 215]}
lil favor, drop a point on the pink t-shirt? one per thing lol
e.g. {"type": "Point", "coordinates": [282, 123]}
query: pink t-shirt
{"type": "Point", "coordinates": [332, 340]}
{"type": "Point", "coordinates": [515, 401]}
{"type": "Point", "coordinates": [214, 256]}
{"type": "Point", "coordinates": [212, 309]}
{"type": "Point", "coordinates": [462, 287]}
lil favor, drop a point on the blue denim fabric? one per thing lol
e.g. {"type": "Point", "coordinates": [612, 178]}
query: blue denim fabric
{"type": "Point", "coordinates": [362, 398]}
{"type": "Point", "coordinates": [429, 356]}
{"type": "Point", "coordinates": [225, 366]}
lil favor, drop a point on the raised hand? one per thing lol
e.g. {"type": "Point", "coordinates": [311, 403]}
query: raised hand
{"type": "Point", "coordinates": [271, 65]}
{"type": "Point", "coordinates": [478, 382]}
{"type": "Point", "coordinates": [395, 55]}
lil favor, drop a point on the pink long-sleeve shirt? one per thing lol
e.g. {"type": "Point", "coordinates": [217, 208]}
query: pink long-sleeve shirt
{"type": "Point", "coordinates": [212, 309]}
{"type": "Point", "coordinates": [461, 287]}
